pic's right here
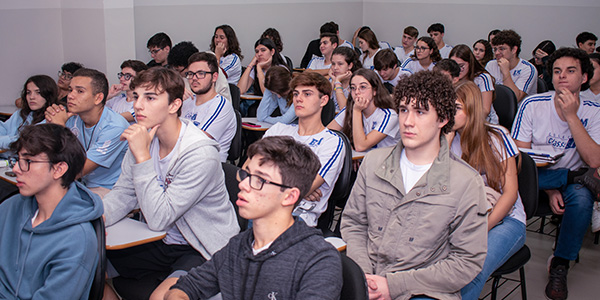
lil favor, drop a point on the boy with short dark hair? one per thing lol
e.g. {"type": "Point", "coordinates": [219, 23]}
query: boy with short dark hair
{"type": "Point", "coordinates": [508, 69]}
{"type": "Point", "coordinates": [586, 41]}
{"type": "Point", "coordinates": [49, 248]}
{"type": "Point", "coordinates": [386, 65]}
{"type": "Point", "coordinates": [280, 257]}
{"type": "Point", "coordinates": [208, 109]}
{"type": "Point", "coordinates": [97, 127]}
{"type": "Point", "coordinates": [311, 92]}
{"type": "Point", "coordinates": [436, 32]}
{"type": "Point", "coordinates": [159, 46]}
{"type": "Point", "coordinates": [449, 68]}
{"type": "Point", "coordinates": [172, 173]}
{"type": "Point", "coordinates": [409, 37]}
{"type": "Point", "coordinates": [321, 64]}
{"type": "Point", "coordinates": [570, 125]}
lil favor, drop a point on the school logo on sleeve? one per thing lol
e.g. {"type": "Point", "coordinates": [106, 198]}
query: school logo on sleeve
{"type": "Point", "coordinates": [517, 72]}
{"type": "Point", "coordinates": [272, 296]}
{"type": "Point", "coordinates": [104, 148]}
{"type": "Point", "coordinates": [315, 142]}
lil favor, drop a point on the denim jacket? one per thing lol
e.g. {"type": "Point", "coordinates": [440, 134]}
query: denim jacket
{"type": "Point", "coordinates": [430, 241]}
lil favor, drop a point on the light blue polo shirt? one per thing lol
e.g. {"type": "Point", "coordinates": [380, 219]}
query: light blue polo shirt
{"type": "Point", "coordinates": [103, 146]}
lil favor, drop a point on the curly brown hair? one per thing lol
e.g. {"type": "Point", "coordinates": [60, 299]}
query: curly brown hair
{"type": "Point", "coordinates": [428, 88]}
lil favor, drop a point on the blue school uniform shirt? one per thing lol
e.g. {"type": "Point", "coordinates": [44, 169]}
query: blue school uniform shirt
{"type": "Point", "coordinates": [103, 146]}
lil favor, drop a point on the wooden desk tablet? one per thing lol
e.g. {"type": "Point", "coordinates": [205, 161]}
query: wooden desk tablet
{"type": "Point", "coordinates": [129, 233]}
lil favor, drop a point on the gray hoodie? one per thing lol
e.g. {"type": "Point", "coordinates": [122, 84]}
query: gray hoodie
{"type": "Point", "coordinates": [195, 199]}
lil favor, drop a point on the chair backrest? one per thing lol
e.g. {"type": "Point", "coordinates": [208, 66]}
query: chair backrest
{"type": "Point", "coordinates": [328, 112]}
{"type": "Point", "coordinates": [341, 189]}
{"type": "Point", "coordinates": [388, 86]}
{"type": "Point", "coordinates": [233, 189]}
{"type": "Point", "coordinates": [235, 150]}
{"type": "Point", "coordinates": [235, 96]}
{"type": "Point", "coordinates": [289, 63]}
{"type": "Point", "coordinates": [542, 87]}
{"type": "Point", "coordinates": [505, 105]}
{"type": "Point", "coordinates": [97, 289]}
{"type": "Point", "coordinates": [528, 184]}
{"type": "Point", "coordinates": [354, 286]}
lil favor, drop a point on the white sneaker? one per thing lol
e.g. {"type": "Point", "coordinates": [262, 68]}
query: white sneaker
{"type": "Point", "coordinates": [596, 217]}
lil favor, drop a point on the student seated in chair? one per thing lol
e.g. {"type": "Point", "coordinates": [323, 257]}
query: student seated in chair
{"type": "Point", "coordinates": [49, 247]}
{"type": "Point", "coordinates": [172, 173]}
{"type": "Point", "coordinates": [280, 257]}
{"type": "Point", "coordinates": [321, 65]}
{"type": "Point", "coordinates": [97, 127]}
{"type": "Point", "coordinates": [415, 221]}
{"type": "Point", "coordinates": [571, 125]}
{"type": "Point", "coordinates": [386, 65]}
{"type": "Point", "coordinates": [208, 109]}
{"type": "Point", "coordinates": [508, 69]}
{"type": "Point", "coordinates": [310, 93]}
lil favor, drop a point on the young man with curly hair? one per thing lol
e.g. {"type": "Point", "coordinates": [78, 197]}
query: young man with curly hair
{"type": "Point", "coordinates": [416, 221]}
{"type": "Point", "coordinates": [508, 69]}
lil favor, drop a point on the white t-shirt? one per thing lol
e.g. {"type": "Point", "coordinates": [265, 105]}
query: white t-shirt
{"type": "Point", "coordinates": [367, 62]}
{"type": "Point", "coordinates": [384, 120]}
{"type": "Point", "coordinates": [329, 147]}
{"type": "Point", "coordinates": [347, 44]}
{"type": "Point", "coordinates": [414, 66]}
{"type": "Point", "coordinates": [161, 166]}
{"type": "Point", "coordinates": [538, 122]}
{"type": "Point", "coordinates": [411, 173]}
{"type": "Point", "coordinates": [445, 51]}
{"type": "Point", "coordinates": [590, 96]}
{"type": "Point", "coordinates": [318, 63]}
{"type": "Point", "coordinates": [232, 66]}
{"type": "Point", "coordinates": [486, 84]}
{"type": "Point", "coordinates": [402, 56]}
{"type": "Point", "coordinates": [401, 73]}
{"type": "Point", "coordinates": [216, 117]}
{"type": "Point", "coordinates": [524, 75]}
{"type": "Point", "coordinates": [507, 148]}
{"type": "Point", "coordinates": [120, 105]}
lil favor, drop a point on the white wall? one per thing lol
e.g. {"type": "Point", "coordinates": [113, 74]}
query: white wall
{"type": "Point", "coordinates": [39, 35]}
{"type": "Point", "coordinates": [297, 21]}
{"type": "Point", "coordinates": [467, 21]}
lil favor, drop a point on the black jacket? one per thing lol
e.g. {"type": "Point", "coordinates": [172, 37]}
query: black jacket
{"type": "Point", "coordinates": [299, 264]}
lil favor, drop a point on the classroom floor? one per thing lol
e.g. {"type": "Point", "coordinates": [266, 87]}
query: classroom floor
{"type": "Point", "coordinates": [584, 277]}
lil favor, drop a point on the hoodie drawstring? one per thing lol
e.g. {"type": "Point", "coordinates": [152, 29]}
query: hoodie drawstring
{"type": "Point", "coordinates": [23, 267]}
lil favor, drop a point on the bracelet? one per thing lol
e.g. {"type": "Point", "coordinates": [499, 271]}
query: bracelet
{"type": "Point", "coordinates": [337, 82]}
{"type": "Point", "coordinates": [339, 88]}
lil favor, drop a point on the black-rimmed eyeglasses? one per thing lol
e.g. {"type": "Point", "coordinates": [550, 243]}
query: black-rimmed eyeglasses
{"type": "Point", "coordinates": [125, 76]}
{"type": "Point", "coordinates": [256, 182]}
{"type": "Point", "coordinates": [24, 163]}
{"type": "Point", "coordinates": [199, 74]}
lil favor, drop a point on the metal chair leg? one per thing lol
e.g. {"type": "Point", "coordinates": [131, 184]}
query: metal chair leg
{"type": "Point", "coordinates": [523, 285]}
{"type": "Point", "coordinates": [495, 287]}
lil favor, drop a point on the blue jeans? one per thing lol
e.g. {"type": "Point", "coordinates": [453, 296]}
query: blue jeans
{"type": "Point", "coordinates": [504, 240]}
{"type": "Point", "coordinates": [579, 203]}
{"type": "Point", "coordinates": [552, 179]}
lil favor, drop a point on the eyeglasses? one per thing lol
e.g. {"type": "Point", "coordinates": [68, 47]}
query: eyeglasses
{"type": "Point", "coordinates": [256, 182]}
{"type": "Point", "coordinates": [24, 162]}
{"type": "Point", "coordinates": [199, 74]}
{"type": "Point", "coordinates": [125, 76]}
{"type": "Point", "coordinates": [362, 88]}
{"type": "Point", "coordinates": [154, 51]}
{"type": "Point", "coordinates": [495, 49]}
{"type": "Point", "coordinates": [65, 75]}
{"type": "Point", "coordinates": [419, 48]}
